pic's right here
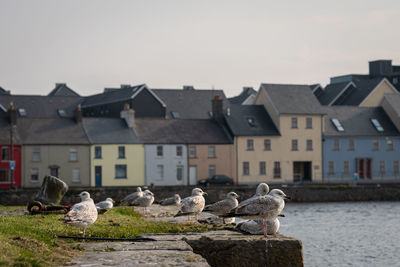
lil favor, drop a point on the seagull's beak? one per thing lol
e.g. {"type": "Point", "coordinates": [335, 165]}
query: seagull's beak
{"type": "Point", "coordinates": [205, 194]}
{"type": "Point", "coordinates": [287, 197]}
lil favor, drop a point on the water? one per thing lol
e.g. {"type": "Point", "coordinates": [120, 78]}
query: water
{"type": "Point", "coordinates": [345, 234]}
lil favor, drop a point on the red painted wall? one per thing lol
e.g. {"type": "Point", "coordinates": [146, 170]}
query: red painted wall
{"type": "Point", "coordinates": [5, 167]}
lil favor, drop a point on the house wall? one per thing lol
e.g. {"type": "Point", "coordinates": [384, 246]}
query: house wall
{"type": "Point", "coordinates": [391, 112]}
{"type": "Point", "coordinates": [169, 160]}
{"type": "Point", "coordinates": [224, 161]}
{"type": "Point", "coordinates": [363, 149]}
{"type": "Point", "coordinates": [375, 98]}
{"type": "Point", "coordinates": [55, 155]}
{"type": "Point", "coordinates": [5, 167]}
{"type": "Point", "coordinates": [134, 161]}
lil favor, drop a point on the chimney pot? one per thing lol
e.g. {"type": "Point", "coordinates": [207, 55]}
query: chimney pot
{"type": "Point", "coordinates": [78, 114]}
{"type": "Point", "coordinates": [217, 107]}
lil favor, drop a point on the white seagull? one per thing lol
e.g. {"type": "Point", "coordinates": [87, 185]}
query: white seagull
{"type": "Point", "coordinates": [132, 197]}
{"type": "Point", "coordinates": [193, 204]}
{"type": "Point", "coordinates": [145, 201]}
{"type": "Point", "coordinates": [175, 200]}
{"type": "Point", "coordinates": [82, 214]}
{"type": "Point", "coordinates": [262, 190]}
{"type": "Point", "coordinates": [256, 227]}
{"type": "Point", "coordinates": [223, 206]}
{"type": "Point", "coordinates": [105, 205]}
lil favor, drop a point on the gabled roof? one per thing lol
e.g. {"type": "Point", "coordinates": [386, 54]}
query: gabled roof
{"type": "Point", "coordinates": [315, 87]}
{"type": "Point", "coordinates": [394, 101]}
{"type": "Point", "coordinates": [178, 131]}
{"type": "Point", "coordinates": [356, 121]}
{"type": "Point", "coordinates": [250, 120]}
{"type": "Point", "coordinates": [362, 90]}
{"type": "Point", "coordinates": [239, 99]}
{"type": "Point", "coordinates": [332, 91]}
{"type": "Point", "coordinates": [42, 106]}
{"type": "Point", "coordinates": [4, 91]}
{"type": "Point", "coordinates": [292, 98]}
{"type": "Point", "coordinates": [190, 104]}
{"type": "Point", "coordinates": [62, 89]}
{"type": "Point", "coordinates": [109, 131]}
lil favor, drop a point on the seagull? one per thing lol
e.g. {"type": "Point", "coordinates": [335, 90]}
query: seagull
{"type": "Point", "coordinates": [145, 201]}
{"type": "Point", "coordinates": [132, 197]}
{"type": "Point", "coordinates": [256, 227]}
{"type": "Point", "coordinates": [193, 204]}
{"type": "Point", "coordinates": [105, 205]}
{"type": "Point", "coordinates": [262, 190]}
{"type": "Point", "coordinates": [261, 208]}
{"type": "Point", "coordinates": [82, 214]}
{"type": "Point", "coordinates": [223, 206]}
{"type": "Point", "coordinates": [175, 200]}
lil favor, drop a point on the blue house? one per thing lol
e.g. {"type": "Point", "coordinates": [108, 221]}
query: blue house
{"type": "Point", "coordinates": [361, 142]}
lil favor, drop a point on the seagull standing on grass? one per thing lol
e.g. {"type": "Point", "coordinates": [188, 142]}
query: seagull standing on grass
{"type": "Point", "coordinates": [193, 204]}
{"type": "Point", "coordinates": [175, 200]}
{"type": "Point", "coordinates": [105, 205]}
{"type": "Point", "coordinates": [224, 206]}
{"type": "Point", "coordinates": [132, 197]}
{"type": "Point", "coordinates": [261, 208]}
{"type": "Point", "coordinates": [82, 214]}
{"type": "Point", "coordinates": [145, 201]}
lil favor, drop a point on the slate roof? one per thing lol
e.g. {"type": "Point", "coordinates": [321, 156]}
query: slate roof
{"type": "Point", "coordinates": [4, 91]}
{"type": "Point", "coordinates": [109, 131]}
{"type": "Point", "coordinates": [5, 132]}
{"type": "Point", "coordinates": [292, 98]}
{"type": "Point", "coordinates": [238, 121]}
{"type": "Point", "coordinates": [394, 101]}
{"type": "Point", "coordinates": [42, 106]}
{"type": "Point", "coordinates": [62, 89]}
{"type": "Point", "coordinates": [362, 90]}
{"type": "Point", "coordinates": [178, 131]}
{"type": "Point", "coordinates": [356, 121]}
{"type": "Point", "coordinates": [110, 95]}
{"type": "Point", "coordinates": [190, 104]}
{"type": "Point", "coordinates": [330, 92]}
{"type": "Point", "coordinates": [239, 99]}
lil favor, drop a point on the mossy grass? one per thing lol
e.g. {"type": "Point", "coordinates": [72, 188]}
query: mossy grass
{"type": "Point", "coordinates": [30, 240]}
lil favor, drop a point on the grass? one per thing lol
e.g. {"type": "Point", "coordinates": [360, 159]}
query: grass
{"type": "Point", "coordinates": [27, 240]}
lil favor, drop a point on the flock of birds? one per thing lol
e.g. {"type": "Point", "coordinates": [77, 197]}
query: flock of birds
{"type": "Point", "coordinates": [261, 210]}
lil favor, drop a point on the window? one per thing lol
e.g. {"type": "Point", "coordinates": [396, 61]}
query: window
{"type": "Point", "coordinates": [97, 152]}
{"type": "Point", "coordinates": [294, 144]}
{"type": "Point", "coordinates": [250, 144]}
{"type": "Point", "coordinates": [338, 125]}
{"type": "Point", "coordinates": [5, 175]}
{"type": "Point", "coordinates": [246, 168]}
{"type": "Point", "coordinates": [175, 114]}
{"type": "Point", "coordinates": [36, 154]}
{"type": "Point", "coordinates": [309, 123]}
{"type": "Point", "coordinates": [377, 125]}
{"type": "Point", "coordinates": [73, 154]}
{"type": "Point", "coordinates": [22, 112]}
{"type": "Point", "coordinates": [351, 144]}
{"type": "Point", "coordinates": [179, 151]}
{"type": "Point", "coordinates": [396, 168]}
{"type": "Point", "coordinates": [179, 173]}
{"type": "Point", "coordinates": [277, 169]}
{"type": "Point", "coordinates": [160, 151]}
{"type": "Point", "coordinates": [5, 153]}
{"type": "Point", "coordinates": [160, 172]}
{"type": "Point", "coordinates": [336, 145]}
{"type": "Point", "coordinates": [121, 152]}
{"type": "Point", "coordinates": [294, 123]}
{"type": "Point", "coordinates": [211, 151]}
{"type": "Point", "coordinates": [331, 167]}
{"type": "Point", "coordinates": [76, 175]}
{"type": "Point", "coordinates": [346, 167]}
{"type": "Point", "coordinates": [267, 144]}
{"type": "Point", "coordinates": [395, 80]}
{"type": "Point", "coordinates": [211, 170]}
{"type": "Point", "coordinates": [389, 144]}
{"type": "Point", "coordinates": [62, 112]}
{"type": "Point", "coordinates": [120, 171]}
{"type": "Point", "coordinates": [381, 167]}
{"type": "Point", "coordinates": [375, 145]}
{"type": "Point", "coordinates": [34, 175]}
{"type": "Point", "coordinates": [54, 171]}
{"type": "Point", "coordinates": [251, 122]}
{"type": "Point", "coordinates": [263, 168]}
{"type": "Point", "coordinates": [192, 151]}
{"type": "Point", "coordinates": [309, 145]}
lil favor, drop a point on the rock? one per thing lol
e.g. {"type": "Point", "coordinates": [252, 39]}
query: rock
{"type": "Point", "coordinates": [52, 191]}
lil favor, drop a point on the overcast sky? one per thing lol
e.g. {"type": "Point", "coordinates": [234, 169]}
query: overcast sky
{"type": "Point", "coordinates": [92, 44]}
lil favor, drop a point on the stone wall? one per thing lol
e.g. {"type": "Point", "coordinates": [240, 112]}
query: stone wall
{"type": "Point", "coordinates": [299, 193]}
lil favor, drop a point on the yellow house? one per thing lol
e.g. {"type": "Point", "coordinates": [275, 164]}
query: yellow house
{"type": "Point", "coordinates": [375, 96]}
{"type": "Point", "coordinates": [116, 156]}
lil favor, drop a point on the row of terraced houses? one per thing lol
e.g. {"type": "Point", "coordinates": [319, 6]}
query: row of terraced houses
{"type": "Point", "coordinates": [136, 135]}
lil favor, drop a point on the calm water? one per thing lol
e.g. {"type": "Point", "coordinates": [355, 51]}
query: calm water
{"type": "Point", "coordinates": [345, 234]}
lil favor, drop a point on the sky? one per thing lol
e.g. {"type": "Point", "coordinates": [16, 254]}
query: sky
{"type": "Point", "coordinates": [93, 44]}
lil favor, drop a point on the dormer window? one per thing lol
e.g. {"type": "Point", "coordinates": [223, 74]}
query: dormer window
{"type": "Point", "coordinates": [175, 114]}
{"type": "Point", "coordinates": [338, 125]}
{"type": "Point", "coordinates": [22, 112]}
{"type": "Point", "coordinates": [62, 112]}
{"type": "Point", "coordinates": [251, 122]}
{"type": "Point", "coordinates": [377, 125]}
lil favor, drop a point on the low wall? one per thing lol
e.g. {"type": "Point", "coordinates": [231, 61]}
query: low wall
{"type": "Point", "coordinates": [298, 193]}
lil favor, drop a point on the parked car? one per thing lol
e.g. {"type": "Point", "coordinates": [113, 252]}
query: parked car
{"type": "Point", "coordinates": [217, 179]}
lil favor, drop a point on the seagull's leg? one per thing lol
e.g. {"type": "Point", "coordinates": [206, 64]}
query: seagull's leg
{"type": "Point", "coordinates": [265, 228]}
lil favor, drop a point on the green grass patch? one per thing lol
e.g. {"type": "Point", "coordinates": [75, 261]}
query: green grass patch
{"type": "Point", "coordinates": [27, 240]}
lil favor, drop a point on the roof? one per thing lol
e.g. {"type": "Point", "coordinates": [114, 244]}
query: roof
{"type": "Point", "coordinates": [239, 99]}
{"type": "Point", "coordinates": [331, 91]}
{"type": "Point", "coordinates": [42, 106]}
{"type": "Point", "coordinates": [109, 131]}
{"type": "Point", "coordinates": [260, 123]}
{"type": "Point", "coordinates": [62, 89]}
{"type": "Point", "coordinates": [112, 95]}
{"type": "Point", "coordinates": [362, 90]}
{"type": "Point", "coordinates": [180, 131]}
{"type": "Point", "coordinates": [51, 131]}
{"type": "Point", "coordinates": [5, 132]}
{"type": "Point", "coordinates": [394, 101]}
{"type": "Point", "coordinates": [4, 91]}
{"type": "Point", "coordinates": [292, 98]}
{"type": "Point", "coordinates": [190, 104]}
{"type": "Point", "coordinates": [356, 121]}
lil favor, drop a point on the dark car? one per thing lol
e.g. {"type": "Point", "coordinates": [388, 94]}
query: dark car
{"type": "Point", "coordinates": [217, 179]}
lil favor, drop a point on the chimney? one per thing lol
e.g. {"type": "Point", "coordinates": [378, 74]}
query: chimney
{"type": "Point", "coordinates": [217, 108]}
{"type": "Point", "coordinates": [123, 86]}
{"type": "Point", "coordinates": [188, 87]}
{"type": "Point", "coordinates": [12, 113]}
{"type": "Point", "coordinates": [78, 114]}
{"type": "Point", "coordinates": [128, 115]}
